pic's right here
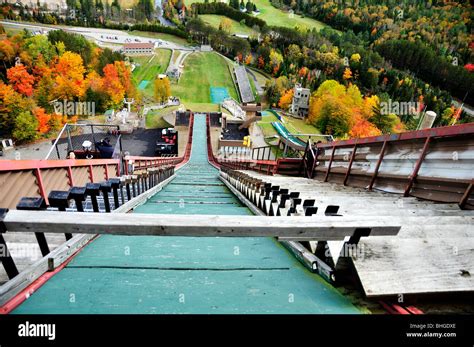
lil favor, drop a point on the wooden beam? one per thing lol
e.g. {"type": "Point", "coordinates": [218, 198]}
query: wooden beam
{"type": "Point", "coordinates": [466, 195]}
{"type": "Point", "coordinates": [377, 167]}
{"type": "Point", "coordinates": [348, 172]}
{"type": "Point", "coordinates": [417, 166]}
{"type": "Point", "coordinates": [324, 228]}
{"type": "Point", "coordinates": [330, 164]}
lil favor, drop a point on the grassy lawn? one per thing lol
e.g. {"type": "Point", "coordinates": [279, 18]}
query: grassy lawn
{"type": "Point", "coordinates": [149, 68]}
{"type": "Point", "coordinates": [202, 71]}
{"type": "Point", "coordinates": [266, 124]}
{"type": "Point", "coordinates": [154, 118]}
{"type": "Point", "coordinates": [162, 36]}
{"type": "Point", "coordinates": [295, 125]}
{"type": "Point", "coordinates": [236, 28]}
{"type": "Point", "coordinates": [276, 17]}
{"type": "Point", "coordinates": [202, 107]}
{"type": "Point", "coordinates": [12, 30]}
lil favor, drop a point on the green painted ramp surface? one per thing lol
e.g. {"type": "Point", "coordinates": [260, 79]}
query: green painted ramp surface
{"type": "Point", "coordinates": [149, 274]}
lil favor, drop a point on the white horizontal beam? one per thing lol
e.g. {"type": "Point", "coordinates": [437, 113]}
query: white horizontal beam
{"type": "Point", "coordinates": [319, 228]}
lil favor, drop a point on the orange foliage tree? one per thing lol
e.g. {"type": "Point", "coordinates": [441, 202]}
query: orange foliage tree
{"type": "Point", "coordinates": [43, 120]}
{"type": "Point", "coordinates": [20, 79]}
{"type": "Point", "coordinates": [248, 59]}
{"type": "Point", "coordinates": [285, 99]}
{"type": "Point", "coordinates": [112, 85]}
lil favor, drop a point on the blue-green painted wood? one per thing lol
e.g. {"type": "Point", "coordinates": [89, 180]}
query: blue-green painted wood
{"type": "Point", "coordinates": [125, 274]}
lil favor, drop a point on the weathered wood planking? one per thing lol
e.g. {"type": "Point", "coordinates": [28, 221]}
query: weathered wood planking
{"type": "Point", "coordinates": [433, 252]}
{"type": "Point", "coordinates": [395, 266]}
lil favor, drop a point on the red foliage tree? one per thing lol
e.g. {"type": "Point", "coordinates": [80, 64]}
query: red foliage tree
{"type": "Point", "coordinates": [21, 80]}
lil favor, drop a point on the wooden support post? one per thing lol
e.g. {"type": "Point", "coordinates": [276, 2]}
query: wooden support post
{"type": "Point", "coordinates": [465, 197]}
{"type": "Point", "coordinates": [106, 172]}
{"type": "Point", "coordinates": [417, 167]}
{"type": "Point", "coordinates": [5, 257]}
{"type": "Point", "coordinates": [348, 172]}
{"type": "Point", "coordinates": [377, 166]}
{"type": "Point", "coordinates": [69, 176]}
{"type": "Point", "coordinates": [41, 189]}
{"type": "Point", "coordinates": [330, 163]}
{"type": "Point", "coordinates": [91, 174]}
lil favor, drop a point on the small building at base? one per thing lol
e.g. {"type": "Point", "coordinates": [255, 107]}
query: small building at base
{"type": "Point", "coordinates": [138, 48]}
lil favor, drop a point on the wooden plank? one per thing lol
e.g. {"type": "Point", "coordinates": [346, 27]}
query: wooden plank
{"type": "Point", "coordinates": [415, 266]}
{"type": "Point", "coordinates": [326, 228]}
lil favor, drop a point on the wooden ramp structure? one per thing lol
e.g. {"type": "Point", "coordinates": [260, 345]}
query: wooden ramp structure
{"type": "Point", "coordinates": [432, 253]}
{"type": "Point", "coordinates": [252, 236]}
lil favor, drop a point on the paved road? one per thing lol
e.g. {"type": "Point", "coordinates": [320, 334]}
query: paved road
{"type": "Point", "coordinates": [103, 37]}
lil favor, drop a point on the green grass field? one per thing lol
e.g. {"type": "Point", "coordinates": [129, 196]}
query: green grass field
{"type": "Point", "coordinates": [154, 118]}
{"type": "Point", "coordinates": [236, 28]}
{"type": "Point", "coordinates": [294, 126]}
{"type": "Point", "coordinates": [202, 71]}
{"type": "Point", "coordinates": [266, 124]}
{"type": "Point", "coordinates": [149, 68]}
{"type": "Point", "coordinates": [276, 17]}
{"type": "Point", "coordinates": [166, 37]}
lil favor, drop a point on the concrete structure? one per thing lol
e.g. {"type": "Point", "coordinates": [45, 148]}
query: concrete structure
{"type": "Point", "coordinates": [300, 104]}
{"type": "Point", "coordinates": [243, 83]}
{"type": "Point", "coordinates": [139, 48]}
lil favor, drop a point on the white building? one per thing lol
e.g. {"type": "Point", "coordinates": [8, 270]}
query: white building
{"type": "Point", "coordinates": [300, 102]}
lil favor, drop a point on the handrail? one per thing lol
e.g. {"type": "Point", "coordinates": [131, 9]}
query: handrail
{"type": "Point", "coordinates": [415, 163]}
{"type": "Point", "coordinates": [53, 146]}
{"type": "Point", "coordinates": [454, 130]}
{"type": "Point", "coordinates": [19, 178]}
{"type": "Point", "coordinates": [14, 165]}
{"type": "Point", "coordinates": [149, 162]}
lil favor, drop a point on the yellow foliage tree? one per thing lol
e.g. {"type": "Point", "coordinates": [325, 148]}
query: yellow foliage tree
{"type": "Point", "coordinates": [347, 74]}
{"type": "Point", "coordinates": [225, 25]}
{"type": "Point", "coordinates": [162, 89]}
{"type": "Point", "coordinates": [69, 77]}
{"type": "Point", "coordinates": [341, 111]}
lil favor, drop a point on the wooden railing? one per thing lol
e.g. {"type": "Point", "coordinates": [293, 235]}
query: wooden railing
{"type": "Point", "coordinates": [435, 164]}
{"type": "Point", "coordinates": [19, 178]}
{"type": "Point", "coordinates": [140, 162]}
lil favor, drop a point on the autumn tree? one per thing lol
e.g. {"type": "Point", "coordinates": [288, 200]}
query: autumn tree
{"type": "Point", "coordinates": [248, 59]}
{"type": "Point", "coordinates": [162, 89]}
{"type": "Point", "coordinates": [25, 127]}
{"type": "Point", "coordinates": [286, 99]}
{"type": "Point", "coordinates": [225, 25]}
{"type": "Point", "coordinates": [347, 74]}
{"type": "Point", "coordinates": [69, 77]}
{"type": "Point", "coordinates": [7, 52]}
{"type": "Point", "coordinates": [341, 111]}
{"type": "Point", "coordinates": [20, 79]}
{"type": "Point", "coordinates": [43, 120]}
{"type": "Point", "coordinates": [112, 85]}
{"type": "Point", "coordinates": [11, 104]}
{"type": "Point", "coordinates": [275, 61]}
